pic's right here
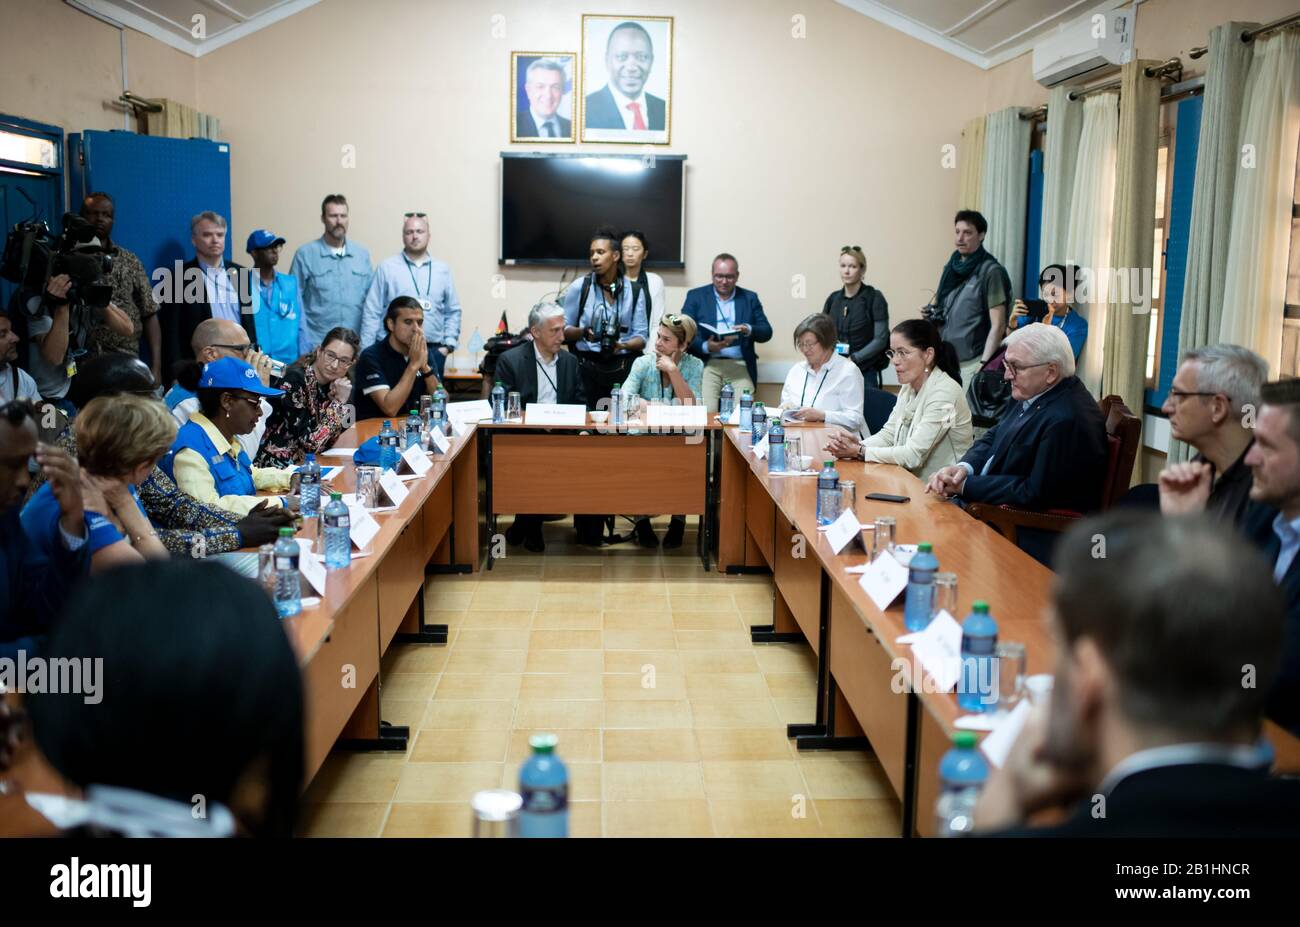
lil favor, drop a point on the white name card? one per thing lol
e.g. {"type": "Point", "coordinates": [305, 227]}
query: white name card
{"type": "Point", "coordinates": [312, 570]}
{"type": "Point", "coordinates": [658, 415]}
{"type": "Point", "coordinates": [415, 460]}
{"type": "Point", "coordinates": [459, 428]}
{"type": "Point", "coordinates": [363, 527]}
{"type": "Point", "coordinates": [842, 530]}
{"type": "Point", "coordinates": [938, 649]}
{"type": "Point", "coordinates": [760, 449]}
{"type": "Point", "coordinates": [439, 440]}
{"type": "Point", "coordinates": [883, 581]}
{"type": "Point", "coordinates": [997, 746]}
{"type": "Point", "coordinates": [467, 413]}
{"type": "Point", "coordinates": [551, 413]}
{"type": "Point", "coordinates": [393, 487]}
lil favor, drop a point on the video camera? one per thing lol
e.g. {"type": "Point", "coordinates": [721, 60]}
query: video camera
{"type": "Point", "coordinates": [33, 254]}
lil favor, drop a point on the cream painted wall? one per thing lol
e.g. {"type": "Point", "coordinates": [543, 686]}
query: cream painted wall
{"type": "Point", "coordinates": [795, 146]}
{"type": "Point", "coordinates": [63, 67]}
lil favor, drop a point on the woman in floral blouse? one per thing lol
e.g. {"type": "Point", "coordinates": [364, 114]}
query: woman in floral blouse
{"type": "Point", "coordinates": [310, 415]}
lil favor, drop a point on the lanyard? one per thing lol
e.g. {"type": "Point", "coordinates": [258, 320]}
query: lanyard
{"type": "Point", "coordinates": [730, 323]}
{"type": "Point", "coordinates": [428, 281]}
{"type": "Point", "coordinates": [804, 391]}
{"type": "Point", "coordinates": [283, 309]}
{"type": "Point", "coordinates": [541, 368]}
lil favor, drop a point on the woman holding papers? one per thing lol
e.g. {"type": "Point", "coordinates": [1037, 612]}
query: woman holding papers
{"type": "Point", "coordinates": [826, 387]}
{"type": "Point", "coordinates": [311, 414]}
{"type": "Point", "coordinates": [930, 427]}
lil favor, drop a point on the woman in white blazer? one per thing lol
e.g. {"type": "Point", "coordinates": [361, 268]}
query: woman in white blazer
{"type": "Point", "coordinates": [930, 427]}
{"type": "Point", "coordinates": [825, 387]}
{"type": "Point", "coordinates": [635, 251]}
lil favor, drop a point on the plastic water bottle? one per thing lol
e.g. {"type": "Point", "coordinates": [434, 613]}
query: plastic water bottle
{"type": "Point", "coordinates": [544, 787]}
{"type": "Point", "coordinates": [918, 604]}
{"type": "Point", "coordinates": [758, 423]}
{"type": "Point", "coordinates": [829, 497]}
{"type": "Point", "coordinates": [727, 401]}
{"type": "Point", "coordinates": [309, 487]}
{"type": "Point", "coordinates": [498, 403]}
{"type": "Point", "coordinates": [776, 447]}
{"type": "Point", "coordinates": [388, 443]}
{"type": "Point", "coordinates": [962, 773]}
{"type": "Point", "coordinates": [746, 411]}
{"type": "Point", "coordinates": [285, 557]}
{"type": "Point", "coordinates": [338, 537]}
{"type": "Point", "coordinates": [439, 411]}
{"type": "Point", "coordinates": [616, 405]}
{"type": "Point", "coordinates": [978, 691]}
{"type": "Point", "coordinates": [412, 429]}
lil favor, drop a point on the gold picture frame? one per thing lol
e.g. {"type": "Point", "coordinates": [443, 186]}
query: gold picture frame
{"type": "Point", "coordinates": [645, 72]}
{"type": "Point", "coordinates": [522, 115]}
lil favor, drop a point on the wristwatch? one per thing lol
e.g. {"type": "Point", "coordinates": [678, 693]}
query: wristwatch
{"type": "Point", "coordinates": [427, 372]}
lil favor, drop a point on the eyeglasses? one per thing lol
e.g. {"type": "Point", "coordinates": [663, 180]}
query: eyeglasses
{"type": "Point", "coordinates": [237, 348]}
{"type": "Point", "coordinates": [901, 353]}
{"type": "Point", "coordinates": [414, 215]}
{"type": "Point", "coordinates": [334, 360]}
{"type": "Point", "coordinates": [1016, 369]}
{"type": "Point", "coordinates": [806, 346]}
{"type": "Point", "coordinates": [672, 319]}
{"type": "Point", "coordinates": [847, 248]}
{"type": "Point", "coordinates": [1180, 395]}
{"type": "Point", "coordinates": [252, 401]}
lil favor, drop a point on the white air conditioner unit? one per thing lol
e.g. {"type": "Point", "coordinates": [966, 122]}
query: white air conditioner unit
{"type": "Point", "coordinates": [1085, 48]}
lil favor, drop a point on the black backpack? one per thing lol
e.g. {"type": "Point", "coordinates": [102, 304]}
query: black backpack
{"type": "Point", "coordinates": [989, 393]}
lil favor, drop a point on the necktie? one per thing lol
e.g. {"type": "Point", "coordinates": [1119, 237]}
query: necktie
{"type": "Point", "coordinates": [637, 121]}
{"type": "Point", "coordinates": [548, 129]}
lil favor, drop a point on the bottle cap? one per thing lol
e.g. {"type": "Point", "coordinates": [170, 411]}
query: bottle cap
{"type": "Point", "coordinates": [980, 607]}
{"type": "Point", "coordinates": [336, 497]}
{"type": "Point", "coordinates": [543, 743]}
{"type": "Point", "coordinates": [924, 548]}
{"type": "Point", "coordinates": [617, 385]}
{"type": "Point", "coordinates": [414, 412]}
{"type": "Point", "coordinates": [964, 740]}
{"type": "Point", "coordinates": [827, 463]}
{"type": "Point", "coordinates": [286, 532]}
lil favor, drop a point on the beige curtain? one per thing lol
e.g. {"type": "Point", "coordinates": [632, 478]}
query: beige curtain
{"type": "Point", "coordinates": [1217, 156]}
{"type": "Point", "coordinates": [1087, 237]}
{"type": "Point", "coordinates": [1064, 124]}
{"type": "Point", "coordinates": [1254, 290]}
{"type": "Point", "coordinates": [1133, 232]}
{"type": "Point", "coordinates": [1005, 189]}
{"type": "Point", "coordinates": [970, 161]}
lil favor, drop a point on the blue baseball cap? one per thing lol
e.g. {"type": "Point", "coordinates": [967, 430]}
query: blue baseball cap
{"type": "Point", "coordinates": [232, 373]}
{"type": "Point", "coordinates": [261, 238]}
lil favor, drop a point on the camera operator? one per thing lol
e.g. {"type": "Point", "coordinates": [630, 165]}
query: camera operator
{"type": "Point", "coordinates": [605, 319]}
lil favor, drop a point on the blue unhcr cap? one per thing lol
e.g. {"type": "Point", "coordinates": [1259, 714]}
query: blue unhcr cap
{"type": "Point", "coordinates": [232, 373]}
{"type": "Point", "coordinates": [261, 238]}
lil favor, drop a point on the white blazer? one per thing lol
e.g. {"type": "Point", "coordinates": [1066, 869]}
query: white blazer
{"type": "Point", "coordinates": [926, 431]}
{"type": "Point", "coordinates": [837, 389]}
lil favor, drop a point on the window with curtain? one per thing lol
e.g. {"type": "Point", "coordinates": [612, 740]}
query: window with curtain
{"type": "Point", "coordinates": [1291, 317]}
{"type": "Point", "coordinates": [1158, 259]}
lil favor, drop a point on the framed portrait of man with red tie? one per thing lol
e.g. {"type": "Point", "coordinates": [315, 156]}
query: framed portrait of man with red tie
{"type": "Point", "coordinates": [627, 79]}
{"type": "Point", "coordinates": [541, 97]}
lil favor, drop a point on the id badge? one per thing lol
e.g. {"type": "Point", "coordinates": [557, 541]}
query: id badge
{"type": "Point", "coordinates": [426, 304]}
{"type": "Point", "coordinates": [842, 347]}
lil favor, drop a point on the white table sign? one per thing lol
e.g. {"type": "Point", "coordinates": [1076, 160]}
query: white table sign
{"type": "Point", "coordinates": [415, 460]}
{"type": "Point", "coordinates": [467, 413]}
{"type": "Point", "coordinates": [363, 527]}
{"type": "Point", "coordinates": [760, 449]}
{"type": "Point", "coordinates": [551, 413]}
{"type": "Point", "coordinates": [393, 487]}
{"type": "Point", "coordinates": [883, 581]}
{"type": "Point", "coordinates": [312, 570]}
{"type": "Point", "coordinates": [842, 530]}
{"type": "Point", "coordinates": [659, 415]}
{"type": "Point", "coordinates": [997, 746]}
{"type": "Point", "coordinates": [440, 440]}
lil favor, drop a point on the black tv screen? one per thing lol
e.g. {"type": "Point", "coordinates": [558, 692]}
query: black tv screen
{"type": "Point", "coordinates": [551, 203]}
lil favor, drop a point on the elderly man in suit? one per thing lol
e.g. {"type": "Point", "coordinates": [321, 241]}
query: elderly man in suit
{"type": "Point", "coordinates": [725, 309]}
{"type": "Point", "coordinates": [623, 103]}
{"type": "Point", "coordinates": [544, 87]}
{"type": "Point", "coordinates": [540, 372]}
{"type": "Point", "coordinates": [1048, 452]}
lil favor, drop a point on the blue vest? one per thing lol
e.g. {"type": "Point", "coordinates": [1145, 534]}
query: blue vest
{"type": "Point", "coordinates": [232, 479]}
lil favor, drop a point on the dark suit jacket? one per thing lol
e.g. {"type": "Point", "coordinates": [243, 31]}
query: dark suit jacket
{"type": "Point", "coordinates": [526, 128]}
{"type": "Point", "coordinates": [702, 306]}
{"type": "Point", "coordinates": [517, 370]}
{"type": "Point", "coordinates": [1284, 700]}
{"type": "Point", "coordinates": [1052, 457]}
{"type": "Point", "coordinates": [601, 111]}
{"type": "Point", "coordinates": [179, 318]}
{"type": "Point", "coordinates": [1192, 800]}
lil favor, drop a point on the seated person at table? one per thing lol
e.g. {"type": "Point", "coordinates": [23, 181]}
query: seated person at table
{"type": "Point", "coordinates": [312, 412]}
{"type": "Point", "coordinates": [1207, 407]}
{"type": "Point", "coordinates": [33, 585]}
{"type": "Point", "coordinates": [826, 387]}
{"type": "Point", "coordinates": [1048, 452]}
{"type": "Point", "coordinates": [1151, 731]}
{"type": "Point", "coordinates": [120, 439]}
{"type": "Point", "coordinates": [1056, 293]}
{"type": "Point", "coordinates": [394, 373]}
{"type": "Point", "coordinates": [540, 372]}
{"type": "Point", "coordinates": [668, 374]}
{"type": "Point", "coordinates": [206, 460]}
{"type": "Point", "coordinates": [191, 650]}
{"type": "Point", "coordinates": [930, 426]}
{"type": "Point", "coordinates": [187, 527]}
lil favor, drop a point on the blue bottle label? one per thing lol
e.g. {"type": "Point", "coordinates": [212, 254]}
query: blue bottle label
{"type": "Point", "coordinates": [545, 800]}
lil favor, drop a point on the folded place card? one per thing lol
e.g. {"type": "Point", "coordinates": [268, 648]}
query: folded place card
{"type": "Point", "coordinates": [393, 487]}
{"type": "Point", "coordinates": [938, 649]}
{"type": "Point", "coordinates": [467, 413]}
{"type": "Point", "coordinates": [842, 530]}
{"type": "Point", "coordinates": [553, 413]}
{"type": "Point", "coordinates": [997, 746]}
{"type": "Point", "coordinates": [363, 528]}
{"type": "Point", "coordinates": [459, 428]}
{"type": "Point", "coordinates": [760, 449]}
{"type": "Point", "coordinates": [440, 440]}
{"type": "Point", "coordinates": [660, 415]}
{"type": "Point", "coordinates": [883, 581]}
{"type": "Point", "coordinates": [313, 570]}
{"type": "Point", "coordinates": [415, 461]}
{"type": "Point", "coordinates": [350, 500]}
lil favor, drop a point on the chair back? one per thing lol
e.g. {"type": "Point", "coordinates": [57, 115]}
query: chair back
{"type": "Point", "coordinates": [1123, 436]}
{"type": "Point", "coordinates": [877, 404]}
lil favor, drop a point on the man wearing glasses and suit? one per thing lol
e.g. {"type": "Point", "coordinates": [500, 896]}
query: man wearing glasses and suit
{"type": "Point", "coordinates": [730, 322]}
{"type": "Point", "coordinates": [415, 273]}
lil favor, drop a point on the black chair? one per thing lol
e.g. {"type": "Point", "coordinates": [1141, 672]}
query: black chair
{"type": "Point", "coordinates": [877, 404]}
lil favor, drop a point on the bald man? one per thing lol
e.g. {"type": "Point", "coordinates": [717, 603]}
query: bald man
{"type": "Point", "coordinates": [214, 339]}
{"type": "Point", "coordinates": [416, 274]}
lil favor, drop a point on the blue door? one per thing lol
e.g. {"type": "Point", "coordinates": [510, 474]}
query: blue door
{"type": "Point", "coordinates": [31, 178]}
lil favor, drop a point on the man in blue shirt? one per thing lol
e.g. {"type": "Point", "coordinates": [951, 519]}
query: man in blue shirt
{"type": "Point", "coordinates": [725, 309]}
{"type": "Point", "coordinates": [277, 311]}
{"type": "Point", "coordinates": [427, 280]}
{"type": "Point", "coordinates": [333, 274]}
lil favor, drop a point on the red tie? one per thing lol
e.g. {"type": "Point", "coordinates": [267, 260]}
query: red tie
{"type": "Point", "coordinates": [637, 121]}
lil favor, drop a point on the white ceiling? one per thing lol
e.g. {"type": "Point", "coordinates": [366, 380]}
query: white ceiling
{"type": "Point", "coordinates": [176, 22]}
{"type": "Point", "coordinates": [982, 32]}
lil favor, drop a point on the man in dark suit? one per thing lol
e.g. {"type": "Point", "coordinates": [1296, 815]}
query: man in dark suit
{"type": "Point", "coordinates": [544, 87]}
{"type": "Point", "coordinates": [623, 103]}
{"type": "Point", "coordinates": [1049, 451]}
{"type": "Point", "coordinates": [1166, 648]}
{"type": "Point", "coordinates": [541, 372]}
{"type": "Point", "coordinates": [210, 288]}
{"type": "Point", "coordinates": [737, 313]}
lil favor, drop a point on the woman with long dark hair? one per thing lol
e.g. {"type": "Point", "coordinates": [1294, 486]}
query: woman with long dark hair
{"type": "Point", "coordinates": [311, 414]}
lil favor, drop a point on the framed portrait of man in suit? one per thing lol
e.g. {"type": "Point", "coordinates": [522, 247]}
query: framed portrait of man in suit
{"type": "Point", "coordinates": [627, 79]}
{"type": "Point", "coordinates": [541, 97]}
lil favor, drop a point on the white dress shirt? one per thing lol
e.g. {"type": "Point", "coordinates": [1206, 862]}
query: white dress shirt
{"type": "Point", "coordinates": [548, 377]}
{"type": "Point", "coordinates": [837, 389]}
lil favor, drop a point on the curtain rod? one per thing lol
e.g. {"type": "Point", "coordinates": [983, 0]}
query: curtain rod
{"type": "Point", "coordinates": [1250, 35]}
{"type": "Point", "coordinates": [1171, 69]}
{"type": "Point", "coordinates": [1185, 88]}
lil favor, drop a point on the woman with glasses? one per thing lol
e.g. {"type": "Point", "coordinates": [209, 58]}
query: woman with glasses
{"type": "Point", "coordinates": [861, 316]}
{"type": "Point", "coordinates": [826, 387]}
{"type": "Point", "coordinates": [206, 460]}
{"type": "Point", "coordinates": [310, 415]}
{"type": "Point", "coordinates": [930, 427]}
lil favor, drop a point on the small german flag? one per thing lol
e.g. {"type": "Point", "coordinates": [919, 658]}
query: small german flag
{"type": "Point", "coordinates": [503, 327]}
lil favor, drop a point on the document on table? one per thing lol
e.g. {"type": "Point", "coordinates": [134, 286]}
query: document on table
{"type": "Point", "coordinates": [339, 452]}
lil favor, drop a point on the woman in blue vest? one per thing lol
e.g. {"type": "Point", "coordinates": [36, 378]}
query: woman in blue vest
{"type": "Point", "coordinates": [206, 460]}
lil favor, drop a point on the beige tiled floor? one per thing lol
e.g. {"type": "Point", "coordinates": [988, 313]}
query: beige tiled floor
{"type": "Point", "coordinates": [671, 722]}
